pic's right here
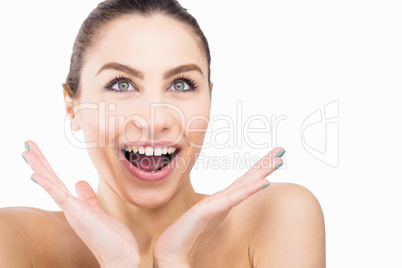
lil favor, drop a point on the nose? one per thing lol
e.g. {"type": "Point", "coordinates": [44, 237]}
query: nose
{"type": "Point", "coordinates": [157, 119]}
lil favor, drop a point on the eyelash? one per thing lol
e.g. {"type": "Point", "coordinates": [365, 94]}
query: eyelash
{"type": "Point", "coordinates": [187, 79]}
{"type": "Point", "coordinates": [121, 78]}
{"type": "Point", "coordinates": [117, 79]}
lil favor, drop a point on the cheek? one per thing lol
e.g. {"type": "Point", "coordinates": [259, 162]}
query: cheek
{"type": "Point", "coordinates": [98, 124]}
{"type": "Point", "coordinates": [99, 128]}
{"type": "Point", "coordinates": [90, 125]}
{"type": "Point", "coordinates": [196, 125]}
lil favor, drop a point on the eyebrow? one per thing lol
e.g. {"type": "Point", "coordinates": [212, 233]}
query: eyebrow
{"type": "Point", "coordinates": [122, 68]}
{"type": "Point", "coordinates": [136, 73]}
{"type": "Point", "coordinates": [182, 69]}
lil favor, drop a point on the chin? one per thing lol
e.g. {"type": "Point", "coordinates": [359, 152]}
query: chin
{"type": "Point", "coordinates": [144, 193]}
{"type": "Point", "coordinates": [149, 200]}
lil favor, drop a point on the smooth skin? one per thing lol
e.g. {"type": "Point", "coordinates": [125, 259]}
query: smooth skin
{"type": "Point", "coordinates": [132, 223]}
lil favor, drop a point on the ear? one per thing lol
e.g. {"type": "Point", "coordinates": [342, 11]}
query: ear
{"type": "Point", "coordinates": [70, 109]}
{"type": "Point", "coordinates": [211, 85]}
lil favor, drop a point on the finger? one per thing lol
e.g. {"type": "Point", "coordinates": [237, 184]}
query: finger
{"type": "Point", "coordinates": [59, 194]}
{"type": "Point", "coordinates": [89, 199]}
{"type": "Point", "coordinates": [265, 165]}
{"type": "Point", "coordinates": [221, 203]}
{"type": "Point", "coordinates": [72, 207]}
{"type": "Point", "coordinates": [37, 167]}
{"type": "Point", "coordinates": [87, 195]}
{"type": "Point", "coordinates": [33, 147]}
{"type": "Point", "coordinates": [39, 164]}
{"type": "Point", "coordinates": [234, 197]}
{"type": "Point", "coordinates": [258, 172]}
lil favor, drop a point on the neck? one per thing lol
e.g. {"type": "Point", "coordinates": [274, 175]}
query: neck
{"type": "Point", "coordinates": [147, 224]}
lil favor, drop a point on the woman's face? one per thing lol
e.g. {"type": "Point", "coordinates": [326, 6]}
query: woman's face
{"type": "Point", "coordinates": [145, 80]}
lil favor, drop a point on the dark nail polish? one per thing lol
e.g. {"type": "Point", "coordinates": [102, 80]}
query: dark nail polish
{"type": "Point", "coordinates": [281, 153]}
{"type": "Point", "coordinates": [278, 166]}
{"type": "Point", "coordinates": [24, 158]}
{"type": "Point", "coordinates": [33, 180]}
{"type": "Point", "coordinates": [265, 186]}
{"type": "Point", "coordinates": [27, 146]}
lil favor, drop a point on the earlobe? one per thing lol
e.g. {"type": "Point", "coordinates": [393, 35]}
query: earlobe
{"type": "Point", "coordinates": [70, 111]}
{"type": "Point", "coordinates": [211, 85]}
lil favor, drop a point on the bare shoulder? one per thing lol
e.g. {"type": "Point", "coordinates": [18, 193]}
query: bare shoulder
{"type": "Point", "coordinates": [15, 215]}
{"type": "Point", "coordinates": [282, 200]}
{"type": "Point", "coordinates": [17, 225]}
{"type": "Point", "coordinates": [28, 234]}
{"type": "Point", "coordinates": [286, 227]}
{"type": "Point", "coordinates": [30, 222]}
{"type": "Point", "coordinates": [289, 196]}
{"type": "Point", "coordinates": [24, 223]}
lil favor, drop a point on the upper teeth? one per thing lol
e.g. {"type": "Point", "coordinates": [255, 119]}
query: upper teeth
{"type": "Point", "coordinates": [148, 151]}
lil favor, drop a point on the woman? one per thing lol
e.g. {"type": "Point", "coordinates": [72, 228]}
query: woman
{"type": "Point", "coordinates": [146, 65]}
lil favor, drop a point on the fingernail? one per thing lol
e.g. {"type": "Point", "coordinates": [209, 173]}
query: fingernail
{"type": "Point", "coordinates": [265, 186]}
{"type": "Point", "coordinates": [33, 180]}
{"type": "Point", "coordinates": [278, 166]}
{"type": "Point", "coordinates": [281, 153]}
{"type": "Point", "coordinates": [27, 146]}
{"type": "Point", "coordinates": [24, 158]}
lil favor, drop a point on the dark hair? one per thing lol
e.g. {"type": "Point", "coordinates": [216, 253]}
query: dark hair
{"type": "Point", "coordinates": [110, 10]}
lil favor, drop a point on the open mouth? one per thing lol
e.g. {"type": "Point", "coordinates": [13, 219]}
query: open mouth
{"type": "Point", "coordinates": [150, 159]}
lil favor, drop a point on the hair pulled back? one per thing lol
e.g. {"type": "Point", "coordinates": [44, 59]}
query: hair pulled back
{"type": "Point", "coordinates": [110, 10]}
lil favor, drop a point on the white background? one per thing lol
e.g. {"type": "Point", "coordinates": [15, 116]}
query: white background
{"type": "Point", "coordinates": [278, 58]}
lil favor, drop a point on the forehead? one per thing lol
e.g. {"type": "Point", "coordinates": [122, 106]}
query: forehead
{"type": "Point", "coordinates": [153, 43]}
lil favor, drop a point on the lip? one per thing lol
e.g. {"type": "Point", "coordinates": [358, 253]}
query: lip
{"type": "Point", "coordinates": [146, 175]}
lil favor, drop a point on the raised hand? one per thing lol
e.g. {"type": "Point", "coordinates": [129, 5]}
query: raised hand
{"type": "Point", "coordinates": [177, 244]}
{"type": "Point", "coordinates": [109, 240]}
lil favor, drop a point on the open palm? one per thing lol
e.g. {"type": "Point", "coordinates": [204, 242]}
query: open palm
{"type": "Point", "coordinates": [177, 244]}
{"type": "Point", "coordinates": [109, 240]}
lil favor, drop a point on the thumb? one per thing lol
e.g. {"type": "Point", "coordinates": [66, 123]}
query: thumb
{"type": "Point", "coordinates": [87, 195]}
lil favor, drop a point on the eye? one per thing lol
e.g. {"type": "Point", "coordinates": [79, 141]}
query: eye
{"type": "Point", "coordinates": [183, 84]}
{"type": "Point", "coordinates": [122, 86]}
{"type": "Point", "coordinates": [180, 86]}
